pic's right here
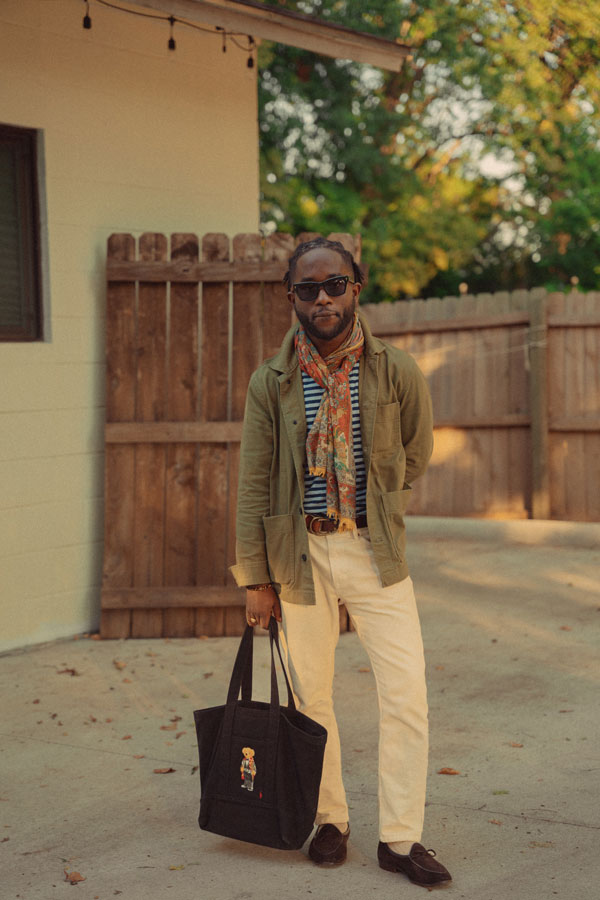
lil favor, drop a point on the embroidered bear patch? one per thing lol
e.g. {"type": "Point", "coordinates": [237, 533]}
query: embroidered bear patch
{"type": "Point", "coordinates": [248, 768]}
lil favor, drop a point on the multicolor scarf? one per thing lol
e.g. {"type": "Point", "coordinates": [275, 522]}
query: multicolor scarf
{"type": "Point", "coordinates": [329, 442]}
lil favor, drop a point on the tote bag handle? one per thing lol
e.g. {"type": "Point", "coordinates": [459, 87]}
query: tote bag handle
{"type": "Point", "coordinates": [241, 675]}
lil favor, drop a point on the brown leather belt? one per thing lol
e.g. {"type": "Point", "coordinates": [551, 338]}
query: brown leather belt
{"type": "Point", "coordinates": [325, 525]}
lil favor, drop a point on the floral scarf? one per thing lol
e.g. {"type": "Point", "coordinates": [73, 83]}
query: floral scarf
{"type": "Point", "coordinates": [329, 441]}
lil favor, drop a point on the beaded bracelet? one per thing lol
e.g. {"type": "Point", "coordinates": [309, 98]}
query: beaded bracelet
{"type": "Point", "coordinates": [258, 587]}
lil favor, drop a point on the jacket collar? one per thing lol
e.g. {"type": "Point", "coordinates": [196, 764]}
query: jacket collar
{"type": "Point", "coordinates": [286, 359]}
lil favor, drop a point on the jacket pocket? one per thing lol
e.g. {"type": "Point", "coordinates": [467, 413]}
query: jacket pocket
{"type": "Point", "coordinates": [395, 504]}
{"type": "Point", "coordinates": [279, 539]}
{"type": "Point", "coordinates": [386, 433]}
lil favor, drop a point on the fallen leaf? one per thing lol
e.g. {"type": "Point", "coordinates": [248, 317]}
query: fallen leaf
{"type": "Point", "coordinates": [565, 710]}
{"type": "Point", "coordinates": [194, 770]}
{"type": "Point", "coordinates": [208, 674]}
{"type": "Point", "coordinates": [363, 669]}
{"type": "Point", "coordinates": [179, 734]}
{"type": "Point", "coordinates": [168, 727]}
{"type": "Point", "coordinates": [515, 744]}
{"type": "Point", "coordinates": [541, 844]}
{"type": "Point", "coordinates": [565, 628]}
{"type": "Point", "coordinates": [163, 771]}
{"type": "Point", "coordinates": [175, 868]}
{"type": "Point", "coordinates": [35, 701]}
{"type": "Point", "coordinates": [108, 720]}
{"type": "Point", "coordinates": [96, 637]}
{"type": "Point", "coordinates": [139, 756]}
{"type": "Point", "coordinates": [497, 793]}
{"type": "Point", "coordinates": [440, 668]}
{"type": "Point", "coordinates": [448, 771]}
{"type": "Point", "coordinates": [67, 672]}
{"type": "Point", "coordinates": [118, 664]}
{"type": "Point", "coordinates": [73, 877]}
{"type": "Point", "coordinates": [4, 840]}
{"type": "Point", "coordinates": [494, 821]}
{"type": "Point", "coordinates": [175, 719]}
{"type": "Point", "coordinates": [127, 737]}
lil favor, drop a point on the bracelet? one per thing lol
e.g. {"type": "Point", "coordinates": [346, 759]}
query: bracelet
{"type": "Point", "coordinates": [258, 587]}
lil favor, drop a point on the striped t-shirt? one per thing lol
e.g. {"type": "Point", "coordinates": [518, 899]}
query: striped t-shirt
{"type": "Point", "coordinates": [315, 492]}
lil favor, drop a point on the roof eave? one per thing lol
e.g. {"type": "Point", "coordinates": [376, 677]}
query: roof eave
{"type": "Point", "coordinates": [287, 27]}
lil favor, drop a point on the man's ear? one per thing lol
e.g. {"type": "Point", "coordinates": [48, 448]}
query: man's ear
{"type": "Point", "coordinates": [356, 289]}
{"type": "Point", "coordinates": [291, 297]}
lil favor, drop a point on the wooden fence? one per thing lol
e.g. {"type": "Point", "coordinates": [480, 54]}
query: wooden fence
{"type": "Point", "coordinates": [515, 382]}
{"type": "Point", "coordinates": [514, 378]}
{"type": "Point", "coordinates": [178, 363]}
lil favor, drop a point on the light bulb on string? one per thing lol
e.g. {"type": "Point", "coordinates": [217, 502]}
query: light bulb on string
{"type": "Point", "coordinates": [224, 33]}
{"type": "Point", "coordinates": [171, 43]}
{"type": "Point", "coordinates": [250, 62]}
{"type": "Point", "coordinates": [87, 19]}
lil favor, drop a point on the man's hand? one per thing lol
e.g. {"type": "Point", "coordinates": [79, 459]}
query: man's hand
{"type": "Point", "coordinates": [261, 605]}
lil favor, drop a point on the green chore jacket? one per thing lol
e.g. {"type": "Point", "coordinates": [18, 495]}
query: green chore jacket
{"type": "Point", "coordinates": [397, 438]}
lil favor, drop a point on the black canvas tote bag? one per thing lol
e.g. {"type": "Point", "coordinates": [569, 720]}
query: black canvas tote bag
{"type": "Point", "coordinates": [260, 763]}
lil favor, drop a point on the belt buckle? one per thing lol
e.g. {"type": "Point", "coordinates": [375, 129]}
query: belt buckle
{"type": "Point", "coordinates": [315, 524]}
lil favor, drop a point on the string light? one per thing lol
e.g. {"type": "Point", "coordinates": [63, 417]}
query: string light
{"type": "Point", "coordinates": [87, 19]}
{"type": "Point", "coordinates": [232, 35]}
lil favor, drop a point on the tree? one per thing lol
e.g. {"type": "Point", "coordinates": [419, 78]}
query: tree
{"type": "Point", "coordinates": [463, 166]}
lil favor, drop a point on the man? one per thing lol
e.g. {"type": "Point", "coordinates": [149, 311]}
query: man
{"type": "Point", "coordinates": [337, 426]}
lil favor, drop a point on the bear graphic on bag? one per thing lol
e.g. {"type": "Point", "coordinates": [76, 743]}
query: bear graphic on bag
{"type": "Point", "coordinates": [248, 768]}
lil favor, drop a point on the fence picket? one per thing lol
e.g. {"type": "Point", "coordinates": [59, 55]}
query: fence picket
{"type": "Point", "coordinates": [120, 459]}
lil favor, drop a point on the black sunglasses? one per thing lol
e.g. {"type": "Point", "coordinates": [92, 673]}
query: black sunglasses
{"type": "Point", "coordinates": [335, 287]}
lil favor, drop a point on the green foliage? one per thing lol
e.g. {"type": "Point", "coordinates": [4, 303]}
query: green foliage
{"type": "Point", "coordinates": [404, 158]}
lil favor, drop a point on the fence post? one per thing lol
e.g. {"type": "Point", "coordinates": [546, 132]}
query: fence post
{"type": "Point", "coordinates": [538, 400]}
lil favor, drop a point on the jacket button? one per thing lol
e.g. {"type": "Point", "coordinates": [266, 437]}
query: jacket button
{"type": "Point", "coordinates": [304, 557]}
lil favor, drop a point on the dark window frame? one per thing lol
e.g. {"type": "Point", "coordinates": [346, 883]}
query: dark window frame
{"type": "Point", "coordinates": [24, 144]}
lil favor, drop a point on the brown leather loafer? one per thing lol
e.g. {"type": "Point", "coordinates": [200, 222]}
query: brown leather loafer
{"type": "Point", "coordinates": [328, 847]}
{"type": "Point", "coordinates": [419, 865]}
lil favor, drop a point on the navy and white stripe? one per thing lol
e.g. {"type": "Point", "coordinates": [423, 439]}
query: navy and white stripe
{"type": "Point", "coordinates": [315, 492]}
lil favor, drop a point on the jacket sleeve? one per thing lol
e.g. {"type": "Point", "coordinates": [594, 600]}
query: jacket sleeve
{"type": "Point", "coordinates": [416, 421]}
{"type": "Point", "coordinates": [253, 497]}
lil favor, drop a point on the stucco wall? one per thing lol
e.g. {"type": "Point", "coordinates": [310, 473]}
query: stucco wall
{"type": "Point", "coordinates": [136, 139]}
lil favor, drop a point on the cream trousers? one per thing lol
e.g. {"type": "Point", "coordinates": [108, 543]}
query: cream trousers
{"type": "Point", "coordinates": [387, 624]}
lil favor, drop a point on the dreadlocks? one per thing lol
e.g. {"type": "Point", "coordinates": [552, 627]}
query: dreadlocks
{"type": "Point", "coordinates": [301, 249]}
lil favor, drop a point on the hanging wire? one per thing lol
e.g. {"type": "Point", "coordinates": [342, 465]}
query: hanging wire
{"type": "Point", "coordinates": [232, 35]}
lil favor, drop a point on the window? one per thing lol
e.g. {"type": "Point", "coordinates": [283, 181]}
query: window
{"type": "Point", "coordinates": [20, 240]}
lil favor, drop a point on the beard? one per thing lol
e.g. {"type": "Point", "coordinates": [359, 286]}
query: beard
{"type": "Point", "coordinates": [323, 332]}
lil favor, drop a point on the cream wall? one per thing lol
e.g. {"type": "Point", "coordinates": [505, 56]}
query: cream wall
{"type": "Point", "coordinates": [137, 138]}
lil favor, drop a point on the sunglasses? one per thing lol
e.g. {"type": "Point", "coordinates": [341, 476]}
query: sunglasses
{"type": "Point", "coordinates": [309, 290]}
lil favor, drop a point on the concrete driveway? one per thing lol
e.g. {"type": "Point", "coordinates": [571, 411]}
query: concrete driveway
{"type": "Point", "coordinates": [511, 620]}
